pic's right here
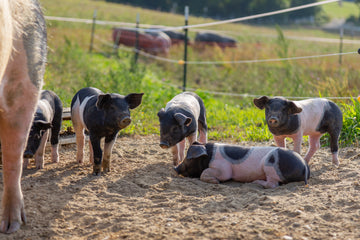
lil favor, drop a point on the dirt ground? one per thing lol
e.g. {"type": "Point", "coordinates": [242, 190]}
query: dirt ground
{"type": "Point", "coordinates": [143, 198]}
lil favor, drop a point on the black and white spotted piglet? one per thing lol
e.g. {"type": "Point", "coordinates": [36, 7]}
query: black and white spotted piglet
{"type": "Point", "coordinates": [183, 117]}
{"type": "Point", "coordinates": [48, 116]}
{"type": "Point", "coordinates": [295, 119]}
{"type": "Point", "coordinates": [267, 166]}
{"type": "Point", "coordinates": [103, 116]}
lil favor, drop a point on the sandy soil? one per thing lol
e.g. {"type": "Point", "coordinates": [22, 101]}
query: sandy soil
{"type": "Point", "coordinates": [143, 198]}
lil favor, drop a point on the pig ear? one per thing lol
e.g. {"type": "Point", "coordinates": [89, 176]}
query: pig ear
{"type": "Point", "coordinates": [261, 102]}
{"type": "Point", "coordinates": [182, 119]}
{"type": "Point", "coordinates": [161, 113]}
{"type": "Point", "coordinates": [134, 99]}
{"type": "Point", "coordinates": [103, 101]}
{"type": "Point", "coordinates": [196, 151]}
{"type": "Point", "coordinates": [43, 125]}
{"type": "Point", "coordinates": [293, 109]}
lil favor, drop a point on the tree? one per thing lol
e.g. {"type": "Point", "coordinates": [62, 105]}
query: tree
{"type": "Point", "coordinates": [357, 2]}
{"type": "Point", "coordinates": [303, 13]}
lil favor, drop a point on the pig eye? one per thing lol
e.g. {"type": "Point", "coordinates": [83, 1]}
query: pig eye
{"type": "Point", "coordinates": [175, 130]}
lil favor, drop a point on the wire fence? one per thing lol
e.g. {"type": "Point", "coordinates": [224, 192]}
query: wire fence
{"type": "Point", "coordinates": [160, 28]}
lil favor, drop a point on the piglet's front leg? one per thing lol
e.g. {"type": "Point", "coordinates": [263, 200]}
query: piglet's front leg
{"type": "Point", "coordinates": [280, 141]}
{"type": "Point", "coordinates": [210, 175]}
{"type": "Point", "coordinates": [39, 155]}
{"type": "Point", "coordinates": [269, 183]}
{"type": "Point", "coordinates": [95, 142]}
{"type": "Point", "coordinates": [178, 152]}
{"type": "Point", "coordinates": [109, 143]}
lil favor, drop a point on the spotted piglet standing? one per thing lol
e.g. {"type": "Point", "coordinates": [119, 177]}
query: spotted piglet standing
{"type": "Point", "coordinates": [183, 117]}
{"type": "Point", "coordinates": [48, 116]}
{"type": "Point", "coordinates": [295, 119]}
{"type": "Point", "coordinates": [103, 116]}
{"type": "Point", "coordinates": [267, 166]}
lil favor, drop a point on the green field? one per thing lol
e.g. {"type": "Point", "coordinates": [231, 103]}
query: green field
{"type": "Point", "coordinates": [334, 10]}
{"type": "Point", "coordinates": [71, 67]}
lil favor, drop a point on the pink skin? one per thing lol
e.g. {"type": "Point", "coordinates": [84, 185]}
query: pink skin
{"type": "Point", "coordinates": [253, 169]}
{"type": "Point", "coordinates": [310, 117]}
{"type": "Point", "coordinates": [17, 106]}
{"type": "Point", "coordinates": [79, 128]}
{"type": "Point", "coordinates": [178, 150]}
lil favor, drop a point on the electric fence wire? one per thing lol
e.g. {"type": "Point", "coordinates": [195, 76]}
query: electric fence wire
{"type": "Point", "coordinates": [164, 28]}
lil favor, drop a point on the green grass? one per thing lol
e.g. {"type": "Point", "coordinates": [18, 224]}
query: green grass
{"type": "Point", "coordinates": [334, 10]}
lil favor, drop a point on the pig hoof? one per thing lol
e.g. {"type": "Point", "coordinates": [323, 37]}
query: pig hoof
{"type": "Point", "coordinates": [13, 227]}
{"type": "Point", "coordinates": [97, 170]}
{"type": "Point", "coordinates": [336, 163]}
{"type": "Point", "coordinates": [39, 167]}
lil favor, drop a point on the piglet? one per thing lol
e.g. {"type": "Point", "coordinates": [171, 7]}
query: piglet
{"type": "Point", "coordinates": [103, 116]}
{"type": "Point", "coordinates": [295, 119]}
{"type": "Point", "coordinates": [267, 166]}
{"type": "Point", "coordinates": [183, 117]}
{"type": "Point", "coordinates": [48, 116]}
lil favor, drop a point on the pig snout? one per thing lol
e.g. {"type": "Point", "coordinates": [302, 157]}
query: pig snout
{"type": "Point", "coordinates": [28, 154]}
{"type": "Point", "coordinates": [273, 121]}
{"type": "Point", "coordinates": [177, 169]}
{"type": "Point", "coordinates": [180, 169]}
{"type": "Point", "coordinates": [164, 144]}
{"type": "Point", "coordinates": [125, 121]}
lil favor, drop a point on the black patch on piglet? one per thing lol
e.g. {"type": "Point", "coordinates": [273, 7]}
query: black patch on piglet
{"type": "Point", "coordinates": [193, 167]}
{"type": "Point", "coordinates": [331, 122]}
{"type": "Point", "coordinates": [103, 101]}
{"type": "Point", "coordinates": [196, 150]}
{"type": "Point", "coordinates": [272, 159]}
{"type": "Point", "coordinates": [134, 99]}
{"type": "Point", "coordinates": [235, 154]}
{"type": "Point", "coordinates": [284, 110]}
{"type": "Point", "coordinates": [292, 167]}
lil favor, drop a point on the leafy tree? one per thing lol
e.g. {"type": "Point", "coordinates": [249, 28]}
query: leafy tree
{"type": "Point", "coordinates": [226, 9]}
{"type": "Point", "coordinates": [357, 2]}
{"type": "Point", "coordinates": [303, 13]}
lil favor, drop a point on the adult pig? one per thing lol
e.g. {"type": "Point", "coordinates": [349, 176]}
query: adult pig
{"type": "Point", "coordinates": [295, 119]}
{"type": "Point", "coordinates": [22, 65]}
{"type": "Point", "coordinates": [48, 116]}
{"type": "Point", "coordinates": [183, 117]}
{"type": "Point", "coordinates": [267, 166]}
{"type": "Point", "coordinates": [103, 116]}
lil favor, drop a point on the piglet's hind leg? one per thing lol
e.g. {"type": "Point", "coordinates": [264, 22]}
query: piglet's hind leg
{"type": "Point", "coordinates": [314, 142]}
